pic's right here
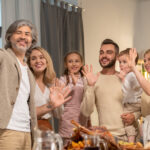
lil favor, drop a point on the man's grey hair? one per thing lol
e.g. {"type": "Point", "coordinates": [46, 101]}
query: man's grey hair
{"type": "Point", "coordinates": [17, 24]}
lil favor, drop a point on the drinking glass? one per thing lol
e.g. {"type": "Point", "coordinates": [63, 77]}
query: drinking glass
{"type": "Point", "coordinates": [47, 140]}
{"type": "Point", "coordinates": [94, 142]}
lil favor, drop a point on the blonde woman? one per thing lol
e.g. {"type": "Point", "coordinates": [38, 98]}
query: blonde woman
{"type": "Point", "coordinates": [46, 99]}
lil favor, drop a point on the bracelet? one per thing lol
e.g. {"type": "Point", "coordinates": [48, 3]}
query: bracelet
{"type": "Point", "coordinates": [50, 105]}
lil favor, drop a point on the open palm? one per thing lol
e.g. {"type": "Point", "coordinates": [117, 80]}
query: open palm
{"type": "Point", "coordinates": [133, 55]}
{"type": "Point", "coordinates": [90, 76]}
{"type": "Point", "coordinates": [59, 96]}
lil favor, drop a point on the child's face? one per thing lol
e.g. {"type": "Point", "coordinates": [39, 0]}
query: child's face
{"type": "Point", "coordinates": [73, 63]}
{"type": "Point", "coordinates": [147, 62]}
{"type": "Point", "coordinates": [124, 63]}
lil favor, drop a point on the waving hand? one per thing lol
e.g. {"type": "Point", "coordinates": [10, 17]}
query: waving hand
{"type": "Point", "coordinates": [90, 76]}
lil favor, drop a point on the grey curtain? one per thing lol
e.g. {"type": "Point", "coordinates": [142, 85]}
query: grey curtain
{"type": "Point", "coordinates": [61, 31]}
{"type": "Point", "coordinates": [20, 9]}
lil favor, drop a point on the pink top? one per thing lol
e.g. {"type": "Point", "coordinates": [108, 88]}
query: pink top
{"type": "Point", "coordinates": [72, 108]}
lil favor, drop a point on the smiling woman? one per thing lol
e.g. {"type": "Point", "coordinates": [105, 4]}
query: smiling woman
{"type": "Point", "coordinates": [46, 99]}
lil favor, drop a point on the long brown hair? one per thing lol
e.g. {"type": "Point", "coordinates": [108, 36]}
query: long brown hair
{"type": "Point", "coordinates": [49, 73]}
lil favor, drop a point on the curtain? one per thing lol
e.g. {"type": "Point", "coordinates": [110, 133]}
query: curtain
{"type": "Point", "coordinates": [20, 9]}
{"type": "Point", "coordinates": [61, 31]}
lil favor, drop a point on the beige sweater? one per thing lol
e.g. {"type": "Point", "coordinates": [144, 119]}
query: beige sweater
{"type": "Point", "coordinates": [107, 96]}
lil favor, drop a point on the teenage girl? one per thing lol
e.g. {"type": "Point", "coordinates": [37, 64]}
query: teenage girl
{"type": "Point", "coordinates": [73, 78]}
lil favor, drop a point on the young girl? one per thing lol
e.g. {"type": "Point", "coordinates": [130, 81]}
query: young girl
{"type": "Point", "coordinates": [72, 77]}
{"type": "Point", "coordinates": [131, 91]}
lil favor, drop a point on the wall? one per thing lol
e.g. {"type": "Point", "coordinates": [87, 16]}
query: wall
{"type": "Point", "coordinates": [142, 26]}
{"type": "Point", "coordinates": [107, 19]}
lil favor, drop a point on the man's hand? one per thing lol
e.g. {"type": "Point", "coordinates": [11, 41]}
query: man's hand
{"type": "Point", "coordinates": [128, 118]}
{"type": "Point", "coordinates": [90, 76]}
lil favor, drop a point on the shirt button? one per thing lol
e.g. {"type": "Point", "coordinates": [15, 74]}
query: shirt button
{"type": "Point", "coordinates": [12, 103]}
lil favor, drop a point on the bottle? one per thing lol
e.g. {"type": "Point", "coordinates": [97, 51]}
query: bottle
{"type": "Point", "coordinates": [37, 140]}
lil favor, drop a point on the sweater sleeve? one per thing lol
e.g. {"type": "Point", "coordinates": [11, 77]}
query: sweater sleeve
{"type": "Point", "coordinates": [87, 105]}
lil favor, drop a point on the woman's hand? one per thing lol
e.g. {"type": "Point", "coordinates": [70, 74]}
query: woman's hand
{"type": "Point", "coordinates": [59, 95]}
{"type": "Point", "coordinates": [90, 76]}
{"type": "Point", "coordinates": [132, 58]}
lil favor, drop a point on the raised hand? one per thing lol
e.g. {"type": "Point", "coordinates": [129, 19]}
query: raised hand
{"type": "Point", "coordinates": [74, 78]}
{"type": "Point", "coordinates": [132, 57]}
{"type": "Point", "coordinates": [121, 75]}
{"type": "Point", "coordinates": [59, 95]}
{"type": "Point", "coordinates": [90, 76]}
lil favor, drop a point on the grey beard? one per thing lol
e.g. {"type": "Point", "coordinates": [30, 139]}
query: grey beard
{"type": "Point", "coordinates": [20, 49]}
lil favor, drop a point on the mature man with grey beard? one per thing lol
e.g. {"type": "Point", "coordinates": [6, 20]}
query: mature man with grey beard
{"type": "Point", "coordinates": [104, 91]}
{"type": "Point", "coordinates": [17, 113]}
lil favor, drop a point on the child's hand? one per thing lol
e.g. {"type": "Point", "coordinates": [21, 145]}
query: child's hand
{"type": "Point", "coordinates": [74, 78]}
{"type": "Point", "coordinates": [121, 75]}
{"type": "Point", "coordinates": [128, 118]}
{"type": "Point", "coordinates": [90, 76]}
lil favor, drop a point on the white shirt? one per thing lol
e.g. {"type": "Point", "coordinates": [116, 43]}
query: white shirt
{"type": "Point", "coordinates": [20, 119]}
{"type": "Point", "coordinates": [131, 89]}
{"type": "Point", "coordinates": [44, 98]}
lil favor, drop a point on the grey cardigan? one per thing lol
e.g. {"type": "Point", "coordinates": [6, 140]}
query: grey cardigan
{"type": "Point", "coordinates": [10, 76]}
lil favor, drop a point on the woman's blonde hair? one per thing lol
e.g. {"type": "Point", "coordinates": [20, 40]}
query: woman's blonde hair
{"type": "Point", "coordinates": [49, 73]}
{"type": "Point", "coordinates": [146, 52]}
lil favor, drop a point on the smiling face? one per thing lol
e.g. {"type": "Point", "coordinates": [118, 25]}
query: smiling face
{"type": "Point", "coordinates": [21, 39]}
{"type": "Point", "coordinates": [147, 62]}
{"type": "Point", "coordinates": [73, 63]}
{"type": "Point", "coordinates": [37, 62]}
{"type": "Point", "coordinates": [107, 56]}
{"type": "Point", "coordinates": [124, 63]}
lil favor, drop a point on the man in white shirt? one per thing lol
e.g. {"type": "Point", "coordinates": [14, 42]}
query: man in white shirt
{"type": "Point", "coordinates": [17, 113]}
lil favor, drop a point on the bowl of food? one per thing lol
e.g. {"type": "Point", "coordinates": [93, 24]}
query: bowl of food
{"type": "Point", "coordinates": [131, 146]}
